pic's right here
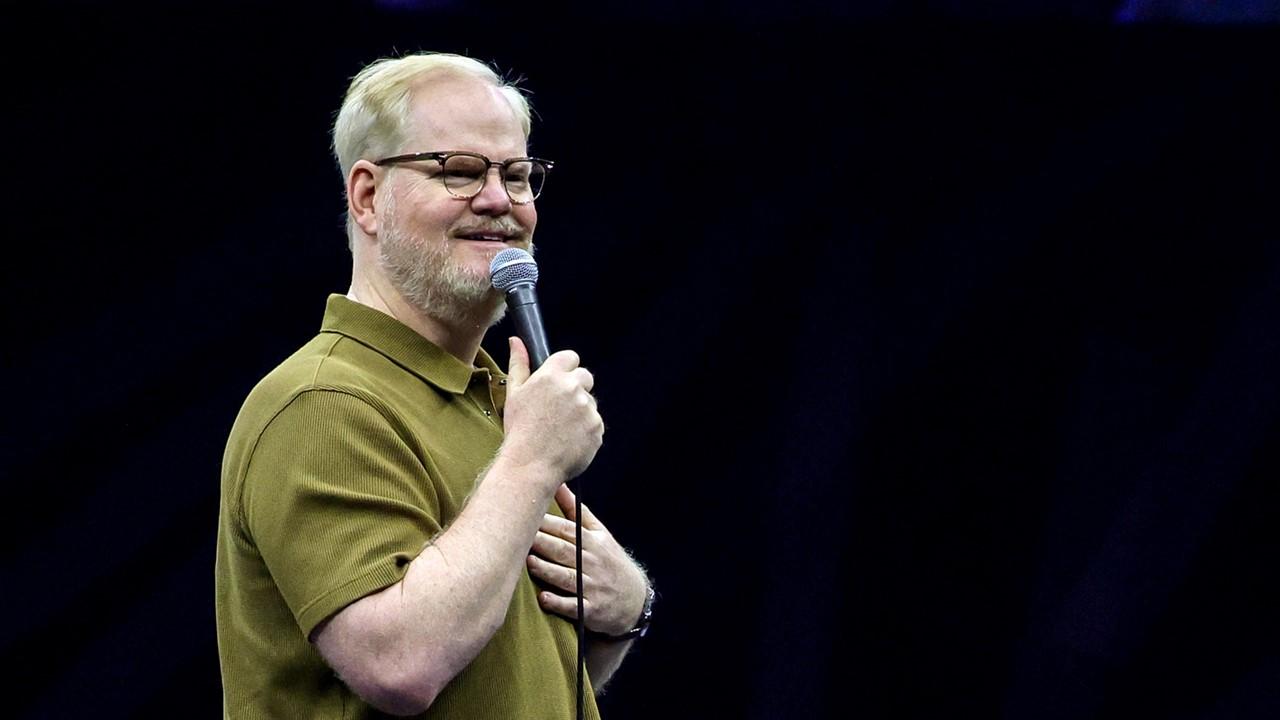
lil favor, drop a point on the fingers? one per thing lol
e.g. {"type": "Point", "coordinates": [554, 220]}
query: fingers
{"type": "Point", "coordinates": [555, 545]}
{"type": "Point", "coordinates": [559, 527]}
{"type": "Point", "coordinates": [550, 414]}
{"type": "Point", "coordinates": [555, 575]}
{"type": "Point", "coordinates": [566, 360]}
{"type": "Point", "coordinates": [565, 499]}
{"type": "Point", "coordinates": [518, 365]}
{"type": "Point", "coordinates": [563, 606]}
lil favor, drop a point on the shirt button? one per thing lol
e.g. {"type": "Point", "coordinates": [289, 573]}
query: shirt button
{"type": "Point", "coordinates": [487, 413]}
{"type": "Point", "coordinates": [502, 382]}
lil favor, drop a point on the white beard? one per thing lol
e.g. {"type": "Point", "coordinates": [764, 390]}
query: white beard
{"type": "Point", "coordinates": [431, 281]}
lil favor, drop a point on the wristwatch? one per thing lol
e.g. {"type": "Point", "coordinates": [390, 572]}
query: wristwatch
{"type": "Point", "coordinates": [642, 625]}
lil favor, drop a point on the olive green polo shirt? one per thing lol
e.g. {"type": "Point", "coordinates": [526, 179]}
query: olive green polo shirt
{"type": "Point", "coordinates": [343, 462]}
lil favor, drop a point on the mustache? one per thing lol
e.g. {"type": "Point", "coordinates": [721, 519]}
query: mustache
{"type": "Point", "coordinates": [496, 226]}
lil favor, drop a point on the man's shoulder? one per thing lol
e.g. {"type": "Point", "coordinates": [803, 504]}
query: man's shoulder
{"type": "Point", "coordinates": [328, 362]}
{"type": "Point", "coordinates": [285, 398]}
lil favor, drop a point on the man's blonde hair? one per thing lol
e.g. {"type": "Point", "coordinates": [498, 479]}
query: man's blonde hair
{"type": "Point", "coordinates": [376, 110]}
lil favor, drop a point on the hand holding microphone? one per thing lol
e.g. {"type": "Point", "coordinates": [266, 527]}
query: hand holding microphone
{"type": "Point", "coordinates": [550, 415]}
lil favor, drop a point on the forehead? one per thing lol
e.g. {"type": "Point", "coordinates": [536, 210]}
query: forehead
{"type": "Point", "coordinates": [462, 113]}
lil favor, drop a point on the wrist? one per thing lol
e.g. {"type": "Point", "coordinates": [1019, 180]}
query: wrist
{"type": "Point", "coordinates": [526, 468]}
{"type": "Point", "coordinates": [641, 626]}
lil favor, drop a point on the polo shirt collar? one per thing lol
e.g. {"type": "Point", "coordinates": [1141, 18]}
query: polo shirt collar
{"type": "Point", "coordinates": [402, 345]}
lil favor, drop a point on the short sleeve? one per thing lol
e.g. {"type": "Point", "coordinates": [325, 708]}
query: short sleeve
{"type": "Point", "coordinates": [336, 502]}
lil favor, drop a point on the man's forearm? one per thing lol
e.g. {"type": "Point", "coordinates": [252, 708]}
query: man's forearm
{"type": "Point", "coordinates": [603, 659]}
{"type": "Point", "coordinates": [456, 593]}
{"type": "Point", "coordinates": [413, 637]}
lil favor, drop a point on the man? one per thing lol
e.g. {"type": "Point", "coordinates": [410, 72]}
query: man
{"type": "Point", "coordinates": [392, 534]}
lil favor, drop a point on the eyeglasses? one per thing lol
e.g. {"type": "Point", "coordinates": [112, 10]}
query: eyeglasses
{"type": "Point", "coordinates": [464, 173]}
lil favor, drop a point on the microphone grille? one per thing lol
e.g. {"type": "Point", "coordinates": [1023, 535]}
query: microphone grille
{"type": "Point", "coordinates": [512, 267]}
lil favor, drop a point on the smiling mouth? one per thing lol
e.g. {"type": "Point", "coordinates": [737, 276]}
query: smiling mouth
{"type": "Point", "coordinates": [495, 237]}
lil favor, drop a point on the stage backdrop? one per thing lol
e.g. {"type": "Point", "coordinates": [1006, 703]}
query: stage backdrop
{"type": "Point", "coordinates": [938, 353]}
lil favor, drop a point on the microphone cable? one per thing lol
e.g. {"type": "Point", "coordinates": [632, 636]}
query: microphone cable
{"type": "Point", "coordinates": [580, 624]}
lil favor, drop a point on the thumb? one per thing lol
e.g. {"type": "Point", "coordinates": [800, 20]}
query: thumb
{"type": "Point", "coordinates": [564, 498]}
{"type": "Point", "coordinates": [518, 364]}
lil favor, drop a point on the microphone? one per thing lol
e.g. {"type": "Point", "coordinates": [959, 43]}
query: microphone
{"type": "Point", "coordinates": [514, 272]}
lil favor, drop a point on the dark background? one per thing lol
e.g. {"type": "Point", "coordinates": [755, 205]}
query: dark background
{"type": "Point", "coordinates": [937, 345]}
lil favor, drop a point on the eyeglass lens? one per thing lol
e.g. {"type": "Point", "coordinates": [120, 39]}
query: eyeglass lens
{"type": "Point", "coordinates": [464, 176]}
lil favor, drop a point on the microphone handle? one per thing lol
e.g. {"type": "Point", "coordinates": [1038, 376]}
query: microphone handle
{"type": "Point", "coordinates": [522, 302]}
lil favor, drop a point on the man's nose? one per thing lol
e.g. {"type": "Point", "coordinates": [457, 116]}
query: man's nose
{"type": "Point", "coordinates": [492, 198]}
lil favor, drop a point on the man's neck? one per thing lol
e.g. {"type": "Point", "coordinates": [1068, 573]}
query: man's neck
{"type": "Point", "coordinates": [462, 342]}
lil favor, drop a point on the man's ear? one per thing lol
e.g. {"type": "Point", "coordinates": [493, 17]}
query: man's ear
{"type": "Point", "coordinates": [362, 184]}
